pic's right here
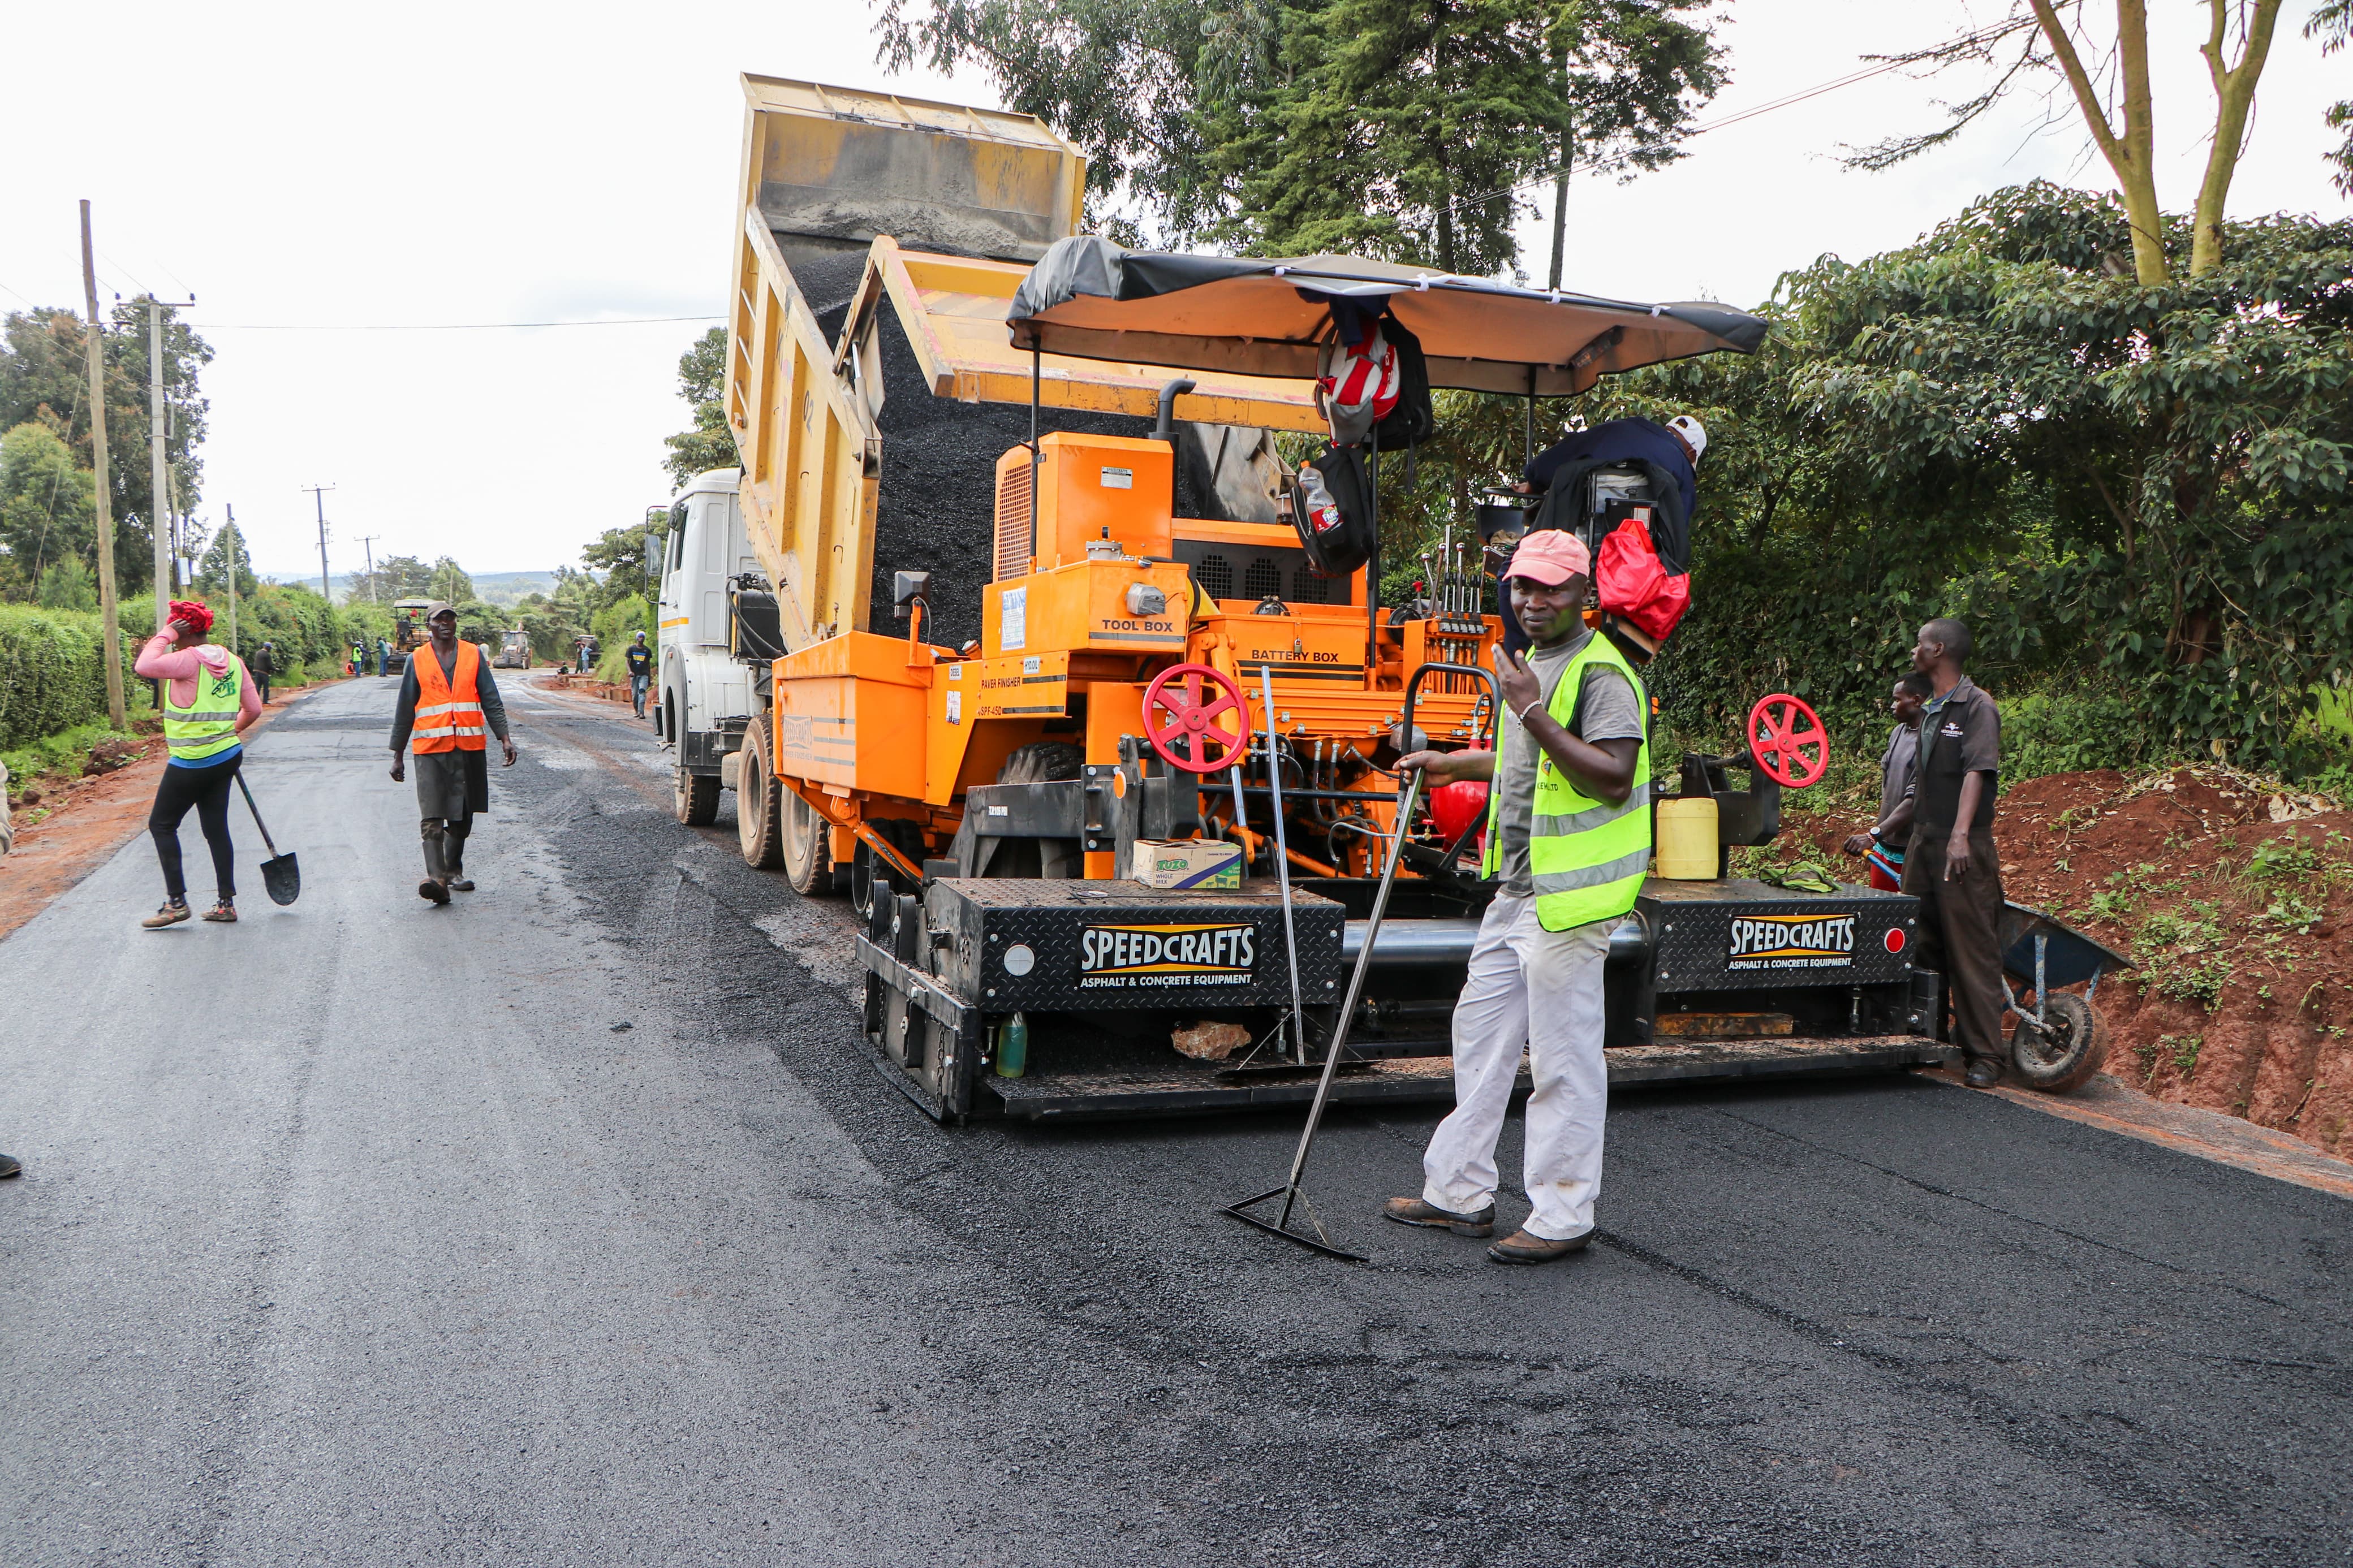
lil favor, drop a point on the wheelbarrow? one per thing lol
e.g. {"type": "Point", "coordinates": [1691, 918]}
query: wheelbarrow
{"type": "Point", "coordinates": [2060, 1042]}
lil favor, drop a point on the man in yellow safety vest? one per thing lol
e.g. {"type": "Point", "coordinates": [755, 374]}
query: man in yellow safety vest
{"type": "Point", "coordinates": [448, 703]}
{"type": "Point", "coordinates": [1568, 841]}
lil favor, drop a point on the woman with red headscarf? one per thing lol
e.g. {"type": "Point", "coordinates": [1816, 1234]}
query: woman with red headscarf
{"type": "Point", "coordinates": [208, 701]}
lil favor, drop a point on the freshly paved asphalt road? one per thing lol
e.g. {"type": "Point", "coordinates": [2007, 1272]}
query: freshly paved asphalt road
{"type": "Point", "coordinates": [571, 1224]}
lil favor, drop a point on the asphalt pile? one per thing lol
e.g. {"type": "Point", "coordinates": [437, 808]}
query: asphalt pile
{"type": "Point", "coordinates": [936, 509]}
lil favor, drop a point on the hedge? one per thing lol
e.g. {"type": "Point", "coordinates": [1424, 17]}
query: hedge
{"type": "Point", "coordinates": [53, 671]}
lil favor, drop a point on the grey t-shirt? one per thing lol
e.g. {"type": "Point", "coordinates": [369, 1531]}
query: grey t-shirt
{"type": "Point", "coordinates": [1897, 768]}
{"type": "Point", "coordinates": [1611, 712]}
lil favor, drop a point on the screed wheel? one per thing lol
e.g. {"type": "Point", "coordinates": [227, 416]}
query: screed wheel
{"type": "Point", "coordinates": [757, 830]}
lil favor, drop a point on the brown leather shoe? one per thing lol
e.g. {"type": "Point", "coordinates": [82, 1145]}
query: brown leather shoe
{"type": "Point", "coordinates": [1984, 1073]}
{"type": "Point", "coordinates": [169, 915]}
{"type": "Point", "coordinates": [430, 889]}
{"type": "Point", "coordinates": [1521, 1247]}
{"type": "Point", "coordinates": [222, 913]}
{"type": "Point", "coordinates": [1413, 1211]}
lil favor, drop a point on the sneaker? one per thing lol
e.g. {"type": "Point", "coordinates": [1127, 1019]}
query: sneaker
{"type": "Point", "coordinates": [461, 884]}
{"type": "Point", "coordinates": [171, 914]}
{"type": "Point", "coordinates": [432, 890]}
{"type": "Point", "coordinates": [1413, 1211]}
{"type": "Point", "coordinates": [1524, 1247]}
{"type": "Point", "coordinates": [222, 913]}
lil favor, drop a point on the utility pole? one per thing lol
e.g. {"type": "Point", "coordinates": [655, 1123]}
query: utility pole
{"type": "Point", "coordinates": [1560, 183]}
{"type": "Point", "coordinates": [318, 494]}
{"type": "Point", "coordinates": [96, 353]}
{"type": "Point", "coordinates": [228, 538]}
{"type": "Point", "coordinates": [367, 542]}
{"type": "Point", "coordinates": [159, 504]}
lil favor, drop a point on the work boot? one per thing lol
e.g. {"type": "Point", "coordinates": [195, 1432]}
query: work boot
{"type": "Point", "coordinates": [1525, 1247]}
{"type": "Point", "coordinates": [434, 891]}
{"type": "Point", "coordinates": [1984, 1072]}
{"type": "Point", "coordinates": [1413, 1211]}
{"type": "Point", "coordinates": [174, 911]}
{"type": "Point", "coordinates": [453, 854]}
{"type": "Point", "coordinates": [223, 912]}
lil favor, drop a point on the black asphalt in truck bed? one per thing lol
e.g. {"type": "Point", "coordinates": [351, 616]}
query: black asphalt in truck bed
{"type": "Point", "coordinates": [935, 510]}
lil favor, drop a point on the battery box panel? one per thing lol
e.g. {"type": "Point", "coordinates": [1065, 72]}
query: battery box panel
{"type": "Point", "coordinates": [1083, 946]}
{"type": "Point", "coordinates": [1746, 935]}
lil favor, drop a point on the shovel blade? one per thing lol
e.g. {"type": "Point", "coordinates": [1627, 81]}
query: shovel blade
{"type": "Point", "coordinates": [283, 879]}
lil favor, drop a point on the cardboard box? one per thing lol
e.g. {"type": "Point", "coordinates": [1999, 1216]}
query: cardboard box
{"type": "Point", "coordinates": [1197, 864]}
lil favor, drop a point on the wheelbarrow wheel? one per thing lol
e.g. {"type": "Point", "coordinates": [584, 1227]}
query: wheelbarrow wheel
{"type": "Point", "coordinates": [2070, 1044]}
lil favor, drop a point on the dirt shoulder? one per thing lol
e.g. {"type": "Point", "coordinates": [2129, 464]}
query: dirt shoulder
{"type": "Point", "coordinates": [2233, 898]}
{"type": "Point", "coordinates": [86, 823]}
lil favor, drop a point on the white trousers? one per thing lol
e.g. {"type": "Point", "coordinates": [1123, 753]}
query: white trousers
{"type": "Point", "coordinates": [1542, 989]}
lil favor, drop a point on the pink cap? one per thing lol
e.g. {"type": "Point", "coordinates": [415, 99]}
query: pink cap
{"type": "Point", "coordinates": [1550, 556]}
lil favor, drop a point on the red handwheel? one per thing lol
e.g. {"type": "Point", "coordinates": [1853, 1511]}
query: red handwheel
{"type": "Point", "coordinates": [1205, 716]}
{"type": "Point", "coordinates": [1780, 729]}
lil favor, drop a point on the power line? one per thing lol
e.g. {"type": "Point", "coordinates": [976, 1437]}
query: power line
{"type": "Point", "coordinates": [1608, 164]}
{"type": "Point", "coordinates": [432, 326]}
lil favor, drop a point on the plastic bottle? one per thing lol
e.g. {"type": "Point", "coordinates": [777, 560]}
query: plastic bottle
{"type": "Point", "coordinates": [1013, 1046]}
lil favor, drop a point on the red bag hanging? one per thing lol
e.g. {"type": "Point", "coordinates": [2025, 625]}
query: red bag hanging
{"type": "Point", "coordinates": [1629, 581]}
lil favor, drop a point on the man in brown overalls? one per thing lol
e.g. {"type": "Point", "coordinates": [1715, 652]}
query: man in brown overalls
{"type": "Point", "coordinates": [1952, 867]}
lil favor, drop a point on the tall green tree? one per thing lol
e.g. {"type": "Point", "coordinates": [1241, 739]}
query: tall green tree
{"type": "Point", "coordinates": [1274, 126]}
{"type": "Point", "coordinates": [49, 505]}
{"type": "Point", "coordinates": [701, 380]}
{"type": "Point", "coordinates": [619, 557]}
{"type": "Point", "coordinates": [395, 577]}
{"type": "Point", "coordinates": [42, 368]}
{"type": "Point", "coordinates": [2333, 25]}
{"type": "Point", "coordinates": [228, 547]}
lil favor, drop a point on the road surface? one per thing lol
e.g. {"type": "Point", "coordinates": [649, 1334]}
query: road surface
{"type": "Point", "coordinates": [571, 1224]}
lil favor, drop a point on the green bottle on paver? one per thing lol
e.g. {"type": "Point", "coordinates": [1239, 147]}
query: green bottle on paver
{"type": "Point", "coordinates": [1012, 1046]}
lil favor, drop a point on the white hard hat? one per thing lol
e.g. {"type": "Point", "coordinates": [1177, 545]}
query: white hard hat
{"type": "Point", "coordinates": [1691, 430]}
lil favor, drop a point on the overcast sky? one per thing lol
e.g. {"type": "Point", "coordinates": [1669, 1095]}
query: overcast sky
{"type": "Point", "coordinates": [306, 166]}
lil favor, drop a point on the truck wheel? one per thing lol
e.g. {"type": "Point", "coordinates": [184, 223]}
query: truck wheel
{"type": "Point", "coordinates": [757, 830]}
{"type": "Point", "coordinates": [862, 882]}
{"type": "Point", "coordinates": [807, 846]}
{"type": "Point", "coordinates": [2066, 1051]}
{"type": "Point", "coordinates": [694, 797]}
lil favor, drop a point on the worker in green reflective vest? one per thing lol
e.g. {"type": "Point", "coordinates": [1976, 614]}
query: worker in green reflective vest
{"type": "Point", "coordinates": [209, 700]}
{"type": "Point", "coordinates": [1568, 842]}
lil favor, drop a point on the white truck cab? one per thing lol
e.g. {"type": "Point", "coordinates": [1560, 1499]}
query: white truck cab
{"type": "Point", "coordinates": [706, 693]}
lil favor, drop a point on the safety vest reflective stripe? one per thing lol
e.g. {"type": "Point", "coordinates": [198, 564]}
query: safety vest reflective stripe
{"type": "Point", "coordinates": [449, 708]}
{"type": "Point", "coordinates": [1633, 865]}
{"type": "Point", "coordinates": [1638, 799]}
{"type": "Point", "coordinates": [193, 733]}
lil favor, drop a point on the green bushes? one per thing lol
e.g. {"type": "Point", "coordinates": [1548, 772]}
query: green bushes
{"type": "Point", "coordinates": [614, 625]}
{"type": "Point", "coordinates": [53, 673]}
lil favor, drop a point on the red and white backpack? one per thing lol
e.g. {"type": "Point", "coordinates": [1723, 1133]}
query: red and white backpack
{"type": "Point", "coordinates": [1358, 384]}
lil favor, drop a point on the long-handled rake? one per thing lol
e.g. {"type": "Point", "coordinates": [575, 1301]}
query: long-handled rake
{"type": "Point", "coordinates": [1290, 1192]}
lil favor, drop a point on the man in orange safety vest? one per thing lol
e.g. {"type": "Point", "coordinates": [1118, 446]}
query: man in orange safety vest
{"type": "Point", "coordinates": [448, 706]}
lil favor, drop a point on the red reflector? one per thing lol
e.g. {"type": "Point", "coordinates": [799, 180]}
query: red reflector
{"type": "Point", "coordinates": [1896, 939]}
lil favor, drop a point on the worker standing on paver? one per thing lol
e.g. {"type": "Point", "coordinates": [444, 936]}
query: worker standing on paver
{"type": "Point", "coordinates": [1883, 846]}
{"type": "Point", "coordinates": [449, 703]}
{"type": "Point", "coordinates": [1568, 839]}
{"type": "Point", "coordinates": [208, 701]}
{"type": "Point", "coordinates": [1952, 866]}
{"type": "Point", "coordinates": [641, 672]}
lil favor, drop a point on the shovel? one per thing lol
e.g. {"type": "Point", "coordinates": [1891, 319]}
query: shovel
{"type": "Point", "coordinates": [280, 875]}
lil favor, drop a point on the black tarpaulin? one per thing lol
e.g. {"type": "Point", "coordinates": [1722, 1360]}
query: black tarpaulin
{"type": "Point", "coordinates": [1254, 316]}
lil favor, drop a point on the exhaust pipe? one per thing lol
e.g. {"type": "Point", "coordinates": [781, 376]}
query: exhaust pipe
{"type": "Point", "coordinates": [1164, 428]}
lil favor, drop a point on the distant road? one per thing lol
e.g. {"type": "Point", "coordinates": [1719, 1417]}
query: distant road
{"type": "Point", "coordinates": [571, 1225]}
